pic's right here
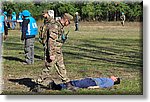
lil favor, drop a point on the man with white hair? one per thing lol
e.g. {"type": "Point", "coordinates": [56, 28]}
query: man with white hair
{"type": "Point", "coordinates": [123, 18]}
{"type": "Point", "coordinates": [76, 20]}
{"type": "Point", "coordinates": [2, 30]}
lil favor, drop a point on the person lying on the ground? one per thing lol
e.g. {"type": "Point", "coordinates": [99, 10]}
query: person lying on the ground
{"type": "Point", "coordinates": [91, 83]}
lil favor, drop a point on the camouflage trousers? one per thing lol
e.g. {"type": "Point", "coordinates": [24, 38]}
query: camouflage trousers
{"type": "Point", "coordinates": [122, 22]}
{"type": "Point", "coordinates": [29, 50]}
{"type": "Point", "coordinates": [51, 68]}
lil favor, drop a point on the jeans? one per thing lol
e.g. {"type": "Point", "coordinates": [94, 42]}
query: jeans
{"type": "Point", "coordinates": [83, 83]}
{"type": "Point", "coordinates": [13, 25]}
{"type": "Point", "coordinates": [77, 26]}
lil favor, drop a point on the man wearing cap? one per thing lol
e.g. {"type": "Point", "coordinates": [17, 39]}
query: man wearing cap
{"type": "Point", "coordinates": [51, 32]}
{"type": "Point", "coordinates": [20, 18]}
{"type": "Point", "coordinates": [29, 31]}
{"type": "Point", "coordinates": [122, 17]}
{"type": "Point", "coordinates": [77, 17]}
{"type": "Point", "coordinates": [13, 18]}
{"type": "Point", "coordinates": [5, 24]}
{"type": "Point", "coordinates": [2, 30]}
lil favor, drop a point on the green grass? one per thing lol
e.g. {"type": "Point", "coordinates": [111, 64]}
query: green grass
{"type": "Point", "coordinates": [97, 50]}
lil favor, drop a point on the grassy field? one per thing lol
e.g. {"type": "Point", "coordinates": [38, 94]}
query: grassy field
{"type": "Point", "coordinates": [99, 49]}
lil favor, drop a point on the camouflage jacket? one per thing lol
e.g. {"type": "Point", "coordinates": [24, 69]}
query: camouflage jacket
{"type": "Point", "coordinates": [123, 17]}
{"type": "Point", "coordinates": [50, 36]}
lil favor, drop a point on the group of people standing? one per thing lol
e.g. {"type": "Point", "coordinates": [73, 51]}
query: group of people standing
{"type": "Point", "coordinates": [3, 30]}
{"type": "Point", "coordinates": [11, 19]}
{"type": "Point", "coordinates": [51, 35]}
{"type": "Point", "coordinates": [52, 32]}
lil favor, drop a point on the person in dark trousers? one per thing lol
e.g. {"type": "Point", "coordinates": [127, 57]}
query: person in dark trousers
{"type": "Point", "coordinates": [3, 30]}
{"type": "Point", "coordinates": [123, 18]}
{"type": "Point", "coordinates": [52, 33]}
{"type": "Point", "coordinates": [20, 18]}
{"type": "Point", "coordinates": [77, 17]}
{"type": "Point", "coordinates": [13, 18]}
{"type": "Point", "coordinates": [90, 83]}
{"type": "Point", "coordinates": [29, 31]}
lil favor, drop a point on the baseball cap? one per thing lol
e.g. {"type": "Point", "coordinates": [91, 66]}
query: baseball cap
{"type": "Point", "coordinates": [68, 16]}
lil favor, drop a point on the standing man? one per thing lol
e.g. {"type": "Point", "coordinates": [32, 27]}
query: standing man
{"type": "Point", "coordinates": [51, 36]}
{"type": "Point", "coordinates": [76, 21]}
{"type": "Point", "coordinates": [13, 18]}
{"type": "Point", "coordinates": [5, 24]}
{"type": "Point", "coordinates": [29, 31]}
{"type": "Point", "coordinates": [2, 30]}
{"type": "Point", "coordinates": [20, 18]}
{"type": "Point", "coordinates": [6, 18]}
{"type": "Point", "coordinates": [123, 18]}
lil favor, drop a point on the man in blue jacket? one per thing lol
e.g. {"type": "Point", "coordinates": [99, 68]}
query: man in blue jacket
{"type": "Point", "coordinates": [2, 31]}
{"type": "Point", "coordinates": [91, 83]}
{"type": "Point", "coordinates": [20, 18]}
{"type": "Point", "coordinates": [29, 31]}
{"type": "Point", "coordinates": [13, 18]}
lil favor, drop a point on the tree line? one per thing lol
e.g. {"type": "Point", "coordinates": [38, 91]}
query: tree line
{"type": "Point", "coordinates": [88, 10]}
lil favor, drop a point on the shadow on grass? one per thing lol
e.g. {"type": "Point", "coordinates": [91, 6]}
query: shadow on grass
{"type": "Point", "coordinates": [94, 58]}
{"type": "Point", "coordinates": [10, 58]}
{"type": "Point", "coordinates": [13, 58]}
{"type": "Point", "coordinates": [119, 53]}
{"type": "Point", "coordinates": [27, 82]}
{"type": "Point", "coordinates": [13, 45]}
{"type": "Point", "coordinates": [39, 57]}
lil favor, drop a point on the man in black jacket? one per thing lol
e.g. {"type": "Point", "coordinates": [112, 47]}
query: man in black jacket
{"type": "Point", "coordinates": [29, 31]}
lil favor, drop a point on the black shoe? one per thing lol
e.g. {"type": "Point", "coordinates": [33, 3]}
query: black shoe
{"type": "Point", "coordinates": [51, 85]}
{"type": "Point", "coordinates": [71, 87]}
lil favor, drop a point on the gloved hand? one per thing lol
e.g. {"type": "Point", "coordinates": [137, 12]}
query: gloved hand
{"type": "Point", "coordinates": [63, 38]}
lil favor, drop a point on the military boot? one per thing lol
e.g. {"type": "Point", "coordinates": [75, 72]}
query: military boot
{"type": "Point", "coordinates": [38, 86]}
{"type": "Point", "coordinates": [71, 87]}
{"type": "Point", "coordinates": [36, 89]}
{"type": "Point", "coordinates": [51, 85]}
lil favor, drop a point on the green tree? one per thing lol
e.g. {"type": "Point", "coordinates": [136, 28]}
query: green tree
{"type": "Point", "coordinates": [66, 7]}
{"type": "Point", "coordinates": [135, 11]}
{"type": "Point", "coordinates": [88, 11]}
{"type": "Point", "coordinates": [98, 11]}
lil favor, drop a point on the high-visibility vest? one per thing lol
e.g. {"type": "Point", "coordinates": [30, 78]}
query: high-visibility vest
{"type": "Point", "coordinates": [1, 24]}
{"type": "Point", "coordinates": [32, 27]}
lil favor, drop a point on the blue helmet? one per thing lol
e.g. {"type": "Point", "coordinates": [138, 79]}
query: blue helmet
{"type": "Point", "coordinates": [122, 13]}
{"type": "Point", "coordinates": [5, 13]}
{"type": "Point", "coordinates": [26, 13]}
{"type": "Point", "coordinates": [13, 13]}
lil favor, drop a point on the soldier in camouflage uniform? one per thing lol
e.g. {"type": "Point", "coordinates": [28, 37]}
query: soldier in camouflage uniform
{"type": "Point", "coordinates": [122, 17]}
{"type": "Point", "coordinates": [51, 37]}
